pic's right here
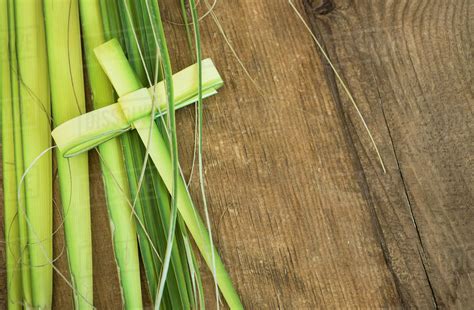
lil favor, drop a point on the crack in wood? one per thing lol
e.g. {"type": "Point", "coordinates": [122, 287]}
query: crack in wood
{"type": "Point", "coordinates": [312, 11]}
{"type": "Point", "coordinates": [409, 203]}
{"type": "Point", "coordinates": [332, 83]}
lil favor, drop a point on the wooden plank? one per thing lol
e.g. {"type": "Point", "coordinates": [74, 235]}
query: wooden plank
{"type": "Point", "coordinates": [290, 216]}
{"type": "Point", "coordinates": [408, 65]}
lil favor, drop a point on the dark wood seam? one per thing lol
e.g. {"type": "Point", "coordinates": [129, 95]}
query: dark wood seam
{"type": "Point", "coordinates": [362, 181]}
{"type": "Point", "coordinates": [409, 204]}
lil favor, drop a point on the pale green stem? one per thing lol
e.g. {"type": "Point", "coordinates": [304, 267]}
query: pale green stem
{"type": "Point", "coordinates": [10, 202]}
{"type": "Point", "coordinates": [113, 167]}
{"type": "Point", "coordinates": [24, 262]}
{"type": "Point", "coordinates": [68, 101]}
{"type": "Point", "coordinates": [36, 135]}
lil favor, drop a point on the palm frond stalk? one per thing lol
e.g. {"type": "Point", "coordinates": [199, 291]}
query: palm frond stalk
{"type": "Point", "coordinates": [112, 161]}
{"type": "Point", "coordinates": [68, 101]}
{"type": "Point", "coordinates": [10, 201]}
{"type": "Point", "coordinates": [24, 262]}
{"type": "Point", "coordinates": [35, 111]}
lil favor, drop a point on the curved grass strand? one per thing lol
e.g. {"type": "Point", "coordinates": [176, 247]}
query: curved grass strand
{"type": "Point", "coordinates": [197, 42]}
{"type": "Point", "coordinates": [166, 65]}
{"type": "Point", "coordinates": [343, 84]}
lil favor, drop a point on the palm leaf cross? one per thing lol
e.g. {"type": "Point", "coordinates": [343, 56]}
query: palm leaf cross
{"type": "Point", "coordinates": [133, 111]}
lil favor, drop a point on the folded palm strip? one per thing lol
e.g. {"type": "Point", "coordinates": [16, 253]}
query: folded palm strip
{"type": "Point", "coordinates": [134, 111]}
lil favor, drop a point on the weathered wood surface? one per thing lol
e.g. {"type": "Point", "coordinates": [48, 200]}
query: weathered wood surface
{"type": "Point", "coordinates": [409, 65]}
{"type": "Point", "coordinates": [302, 213]}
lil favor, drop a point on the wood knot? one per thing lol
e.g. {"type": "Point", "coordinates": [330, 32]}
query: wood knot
{"type": "Point", "coordinates": [319, 7]}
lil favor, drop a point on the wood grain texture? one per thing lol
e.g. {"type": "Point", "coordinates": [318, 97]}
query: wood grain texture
{"type": "Point", "coordinates": [302, 214]}
{"type": "Point", "coordinates": [409, 65]}
{"type": "Point", "coordinates": [289, 217]}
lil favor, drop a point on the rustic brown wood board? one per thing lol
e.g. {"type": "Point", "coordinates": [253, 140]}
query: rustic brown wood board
{"type": "Point", "coordinates": [303, 214]}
